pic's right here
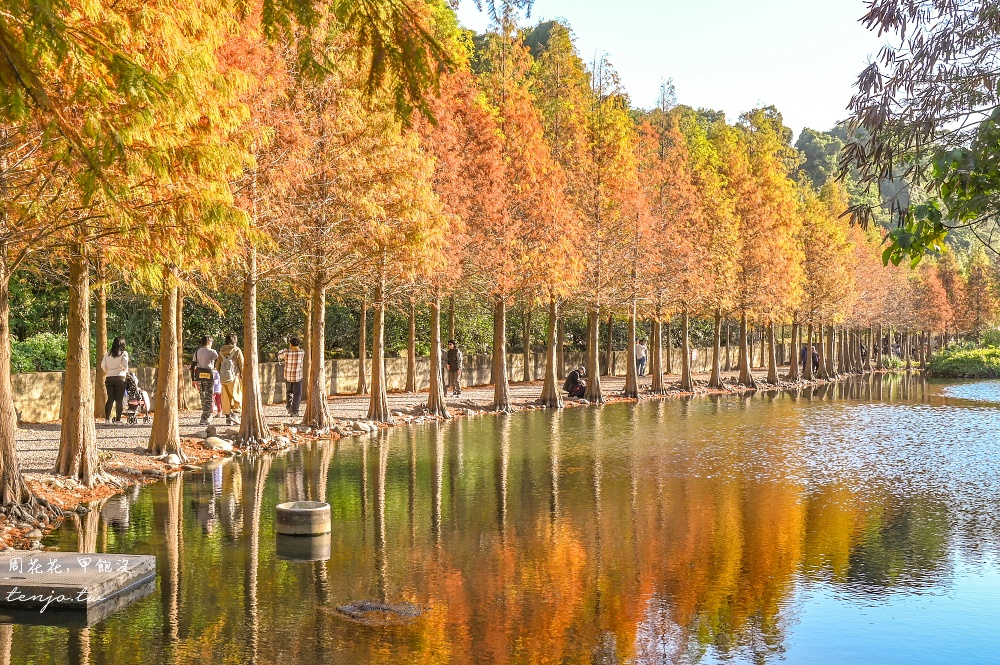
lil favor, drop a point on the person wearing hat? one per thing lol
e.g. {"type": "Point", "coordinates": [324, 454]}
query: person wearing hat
{"type": "Point", "coordinates": [454, 361]}
{"type": "Point", "coordinates": [575, 385]}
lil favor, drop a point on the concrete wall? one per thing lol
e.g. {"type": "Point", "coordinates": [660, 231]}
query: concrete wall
{"type": "Point", "coordinates": [38, 396]}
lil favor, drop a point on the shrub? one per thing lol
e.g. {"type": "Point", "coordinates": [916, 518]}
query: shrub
{"type": "Point", "coordinates": [991, 337]}
{"type": "Point", "coordinates": [964, 362]}
{"type": "Point", "coordinates": [893, 362]}
{"type": "Point", "coordinates": [44, 352]}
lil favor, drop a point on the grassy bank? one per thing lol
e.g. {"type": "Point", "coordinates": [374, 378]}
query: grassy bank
{"type": "Point", "coordinates": [961, 362]}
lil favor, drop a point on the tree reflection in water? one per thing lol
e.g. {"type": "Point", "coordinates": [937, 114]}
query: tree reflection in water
{"type": "Point", "coordinates": [675, 531]}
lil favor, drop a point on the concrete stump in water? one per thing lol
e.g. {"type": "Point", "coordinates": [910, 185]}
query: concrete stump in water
{"type": "Point", "coordinates": [302, 518]}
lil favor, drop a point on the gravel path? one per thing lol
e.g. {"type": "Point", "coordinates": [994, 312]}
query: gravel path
{"type": "Point", "coordinates": [38, 444]}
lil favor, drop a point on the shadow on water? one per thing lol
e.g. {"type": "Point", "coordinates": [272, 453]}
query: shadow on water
{"type": "Point", "coordinates": [673, 531]}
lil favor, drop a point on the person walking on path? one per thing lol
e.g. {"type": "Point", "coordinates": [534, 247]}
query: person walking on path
{"type": "Point", "coordinates": [454, 368]}
{"type": "Point", "coordinates": [115, 366]}
{"type": "Point", "coordinates": [231, 373]}
{"type": "Point", "coordinates": [201, 376]}
{"type": "Point", "coordinates": [641, 353]}
{"type": "Point", "coordinates": [216, 393]}
{"type": "Point", "coordinates": [293, 357]}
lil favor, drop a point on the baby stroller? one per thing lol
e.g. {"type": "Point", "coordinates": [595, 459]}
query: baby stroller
{"type": "Point", "coordinates": [136, 401]}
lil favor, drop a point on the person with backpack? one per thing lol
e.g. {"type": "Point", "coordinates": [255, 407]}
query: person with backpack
{"type": "Point", "coordinates": [230, 366]}
{"type": "Point", "coordinates": [201, 376]}
{"type": "Point", "coordinates": [454, 358]}
{"type": "Point", "coordinates": [115, 366]}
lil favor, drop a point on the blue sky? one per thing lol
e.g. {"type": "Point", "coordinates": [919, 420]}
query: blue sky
{"type": "Point", "coordinates": [802, 56]}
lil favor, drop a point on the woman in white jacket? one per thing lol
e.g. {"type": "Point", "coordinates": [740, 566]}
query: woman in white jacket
{"type": "Point", "coordinates": [115, 365]}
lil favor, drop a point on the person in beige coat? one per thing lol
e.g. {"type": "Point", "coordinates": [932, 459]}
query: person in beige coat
{"type": "Point", "coordinates": [230, 366]}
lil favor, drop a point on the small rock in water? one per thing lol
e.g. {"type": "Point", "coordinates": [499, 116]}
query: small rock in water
{"type": "Point", "coordinates": [293, 431]}
{"type": "Point", "coordinates": [82, 509]}
{"type": "Point", "coordinates": [583, 401]}
{"type": "Point", "coordinates": [173, 460]}
{"type": "Point", "coordinates": [34, 534]}
{"type": "Point", "coordinates": [191, 467]}
{"type": "Point", "coordinates": [282, 441]}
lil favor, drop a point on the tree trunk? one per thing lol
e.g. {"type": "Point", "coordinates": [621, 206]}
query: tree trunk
{"type": "Point", "coordinates": [561, 348]}
{"type": "Point", "coordinates": [906, 350]}
{"type": "Point", "coordinates": [78, 436]}
{"type": "Point", "coordinates": [793, 363]}
{"type": "Point", "coordinates": [526, 374]}
{"type": "Point", "coordinates": [378, 406]}
{"type": "Point", "coordinates": [181, 379]}
{"type": "Point", "coordinates": [254, 431]}
{"type": "Point", "coordinates": [667, 350]}
{"type": "Point", "coordinates": [411, 351]}
{"type": "Point", "coordinates": [729, 340]}
{"type": "Point", "coordinates": [306, 341]}
{"type": "Point", "coordinates": [871, 347]}
{"type": "Point", "coordinates": [501, 384]}
{"type": "Point", "coordinates": [881, 355]}
{"type": "Point", "coordinates": [687, 384]}
{"type": "Point", "coordinates": [656, 356]}
{"type": "Point", "coordinates": [363, 350]}
{"type": "Point", "coordinates": [763, 347]}
{"type": "Point", "coordinates": [821, 348]}
{"type": "Point", "coordinates": [165, 437]}
{"type": "Point", "coordinates": [783, 359]}
{"type": "Point", "coordinates": [12, 485]}
{"type": "Point", "coordinates": [101, 323]}
{"type": "Point", "coordinates": [317, 413]}
{"type": "Point", "coordinates": [746, 376]}
{"type": "Point", "coordinates": [831, 352]}
{"type": "Point", "coordinates": [807, 371]}
{"type": "Point", "coordinates": [451, 317]}
{"type": "Point", "coordinates": [856, 351]}
{"type": "Point", "coordinates": [772, 360]}
{"type": "Point", "coordinates": [842, 365]}
{"type": "Point", "coordinates": [436, 405]}
{"type": "Point", "coordinates": [631, 371]}
{"type": "Point", "coordinates": [609, 351]}
{"type": "Point", "coordinates": [593, 393]}
{"type": "Point", "coordinates": [551, 393]}
{"type": "Point", "coordinates": [715, 381]}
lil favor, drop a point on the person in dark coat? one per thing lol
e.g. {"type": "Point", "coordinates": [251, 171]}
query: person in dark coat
{"type": "Point", "coordinates": [574, 384]}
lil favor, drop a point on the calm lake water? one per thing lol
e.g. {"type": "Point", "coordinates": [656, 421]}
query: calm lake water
{"type": "Point", "coordinates": [857, 523]}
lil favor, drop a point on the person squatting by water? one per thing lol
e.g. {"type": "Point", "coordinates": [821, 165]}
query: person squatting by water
{"type": "Point", "coordinates": [231, 376]}
{"type": "Point", "coordinates": [115, 366]}
{"type": "Point", "coordinates": [292, 358]}
{"type": "Point", "coordinates": [574, 385]}
{"type": "Point", "coordinates": [454, 359]}
{"type": "Point", "coordinates": [201, 376]}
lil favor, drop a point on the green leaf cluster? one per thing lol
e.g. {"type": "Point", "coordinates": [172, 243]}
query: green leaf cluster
{"type": "Point", "coordinates": [44, 352]}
